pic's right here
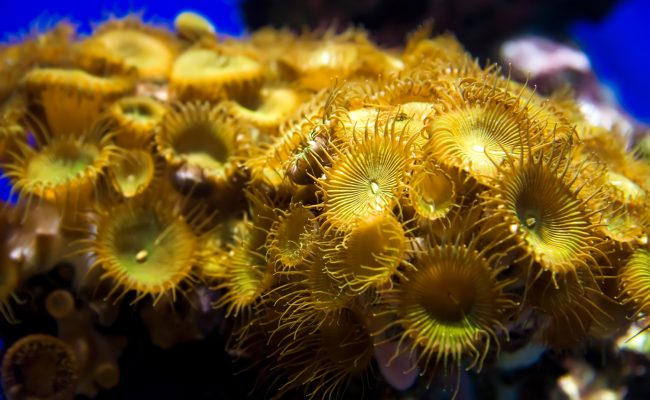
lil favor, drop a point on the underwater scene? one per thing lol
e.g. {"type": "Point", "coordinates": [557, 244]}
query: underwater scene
{"type": "Point", "coordinates": [384, 200]}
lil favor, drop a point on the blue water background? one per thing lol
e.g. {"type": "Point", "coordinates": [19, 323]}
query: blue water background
{"type": "Point", "coordinates": [19, 16]}
{"type": "Point", "coordinates": [619, 50]}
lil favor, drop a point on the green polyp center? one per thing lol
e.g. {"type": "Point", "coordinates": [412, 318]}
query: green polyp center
{"type": "Point", "coordinates": [553, 224]}
{"type": "Point", "coordinates": [205, 145]}
{"type": "Point", "coordinates": [151, 250]}
{"type": "Point", "coordinates": [481, 135]}
{"type": "Point", "coordinates": [539, 231]}
{"type": "Point", "coordinates": [61, 162]}
{"type": "Point", "coordinates": [138, 112]}
{"type": "Point", "coordinates": [532, 220]}
{"type": "Point", "coordinates": [378, 194]}
{"type": "Point", "coordinates": [449, 298]}
{"type": "Point", "coordinates": [364, 182]}
{"type": "Point", "coordinates": [294, 236]}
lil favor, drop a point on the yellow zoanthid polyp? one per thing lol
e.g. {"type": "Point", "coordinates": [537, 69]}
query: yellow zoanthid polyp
{"type": "Point", "coordinates": [450, 304]}
{"type": "Point", "coordinates": [403, 90]}
{"type": "Point", "coordinates": [343, 208]}
{"type": "Point", "coordinates": [634, 281]}
{"type": "Point", "coordinates": [59, 90]}
{"type": "Point", "coordinates": [476, 127]}
{"type": "Point", "coordinates": [626, 226]}
{"type": "Point", "coordinates": [537, 199]}
{"type": "Point", "coordinates": [569, 312]}
{"type": "Point", "coordinates": [421, 47]}
{"type": "Point", "coordinates": [274, 106]}
{"type": "Point", "coordinates": [192, 26]}
{"type": "Point", "coordinates": [625, 178]}
{"type": "Point", "coordinates": [365, 180]}
{"type": "Point", "coordinates": [291, 237]}
{"type": "Point", "coordinates": [249, 273]}
{"type": "Point", "coordinates": [551, 116]}
{"type": "Point", "coordinates": [402, 107]}
{"type": "Point", "coordinates": [353, 123]}
{"type": "Point", "coordinates": [432, 191]}
{"type": "Point", "coordinates": [51, 47]}
{"type": "Point", "coordinates": [201, 136]}
{"type": "Point", "coordinates": [306, 294]}
{"type": "Point", "coordinates": [410, 119]}
{"type": "Point", "coordinates": [625, 189]}
{"type": "Point", "coordinates": [148, 50]}
{"type": "Point", "coordinates": [326, 353]}
{"type": "Point", "coordinates": [144, 245]}
{"type": "Point", "coordinates": [61, 169]}
{"type": "Point", "coordinates": [136, 118]}
{"type": "Point", "coordinates": [316, 63]}
{"type": "Point", "coordinates": [247, 277]}
{"type": "Point", "coordinates": [211, 74]}
{"type": "Point", "coordinates": [369, 254]}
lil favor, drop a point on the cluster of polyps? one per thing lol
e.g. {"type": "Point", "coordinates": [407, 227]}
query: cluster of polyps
{"type": "Point", "coordinates": [330, 198]}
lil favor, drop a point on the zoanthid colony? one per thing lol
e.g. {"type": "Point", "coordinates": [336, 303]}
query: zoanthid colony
{"type": "Point", "coordinates": [328, 198]}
